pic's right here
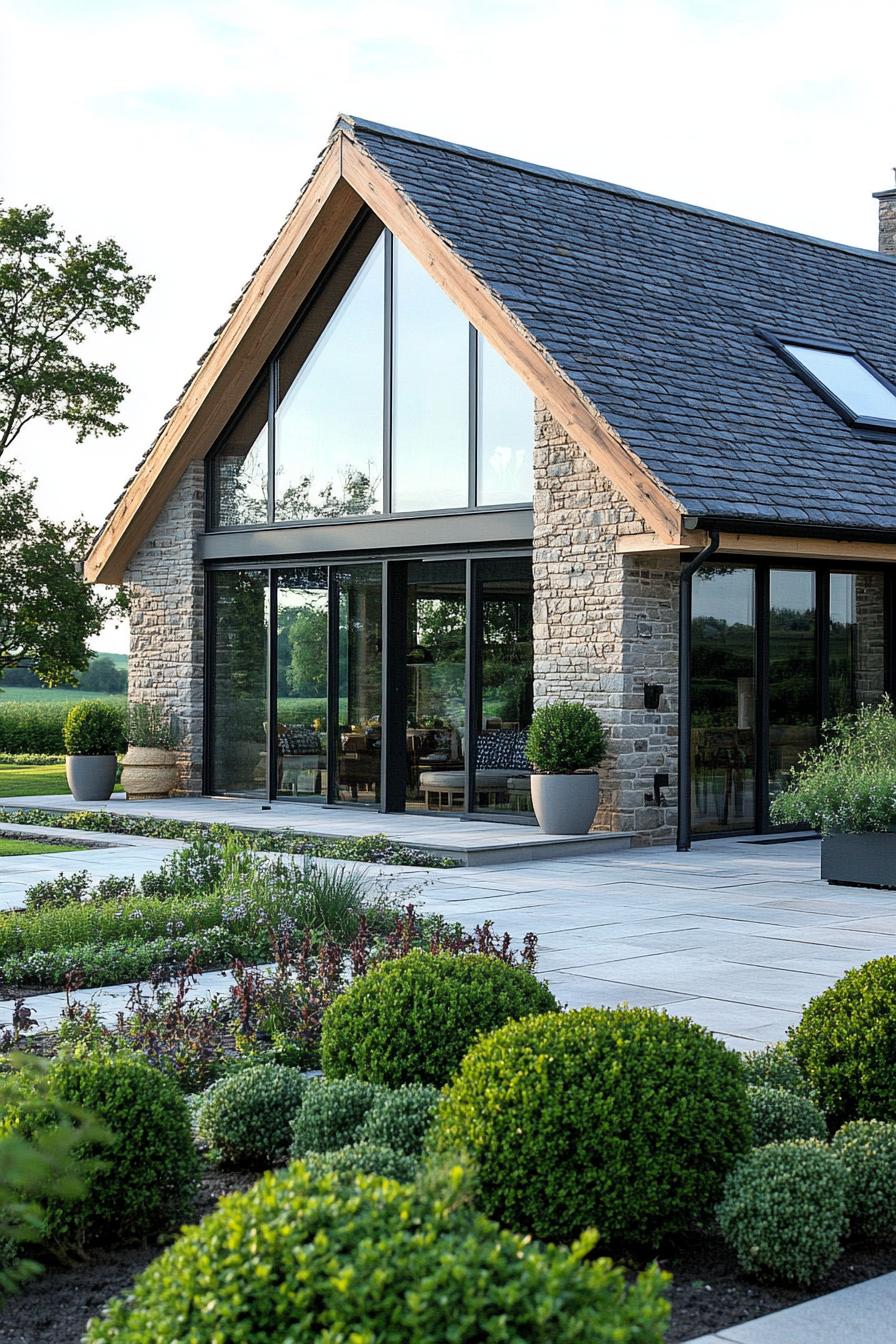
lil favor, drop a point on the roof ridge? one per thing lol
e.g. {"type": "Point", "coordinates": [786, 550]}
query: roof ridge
{"type": "Point", "coordinates": [579, 179]}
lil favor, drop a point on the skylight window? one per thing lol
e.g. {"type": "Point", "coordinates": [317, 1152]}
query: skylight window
{"type": "Point", "coordinates": [856, 390]}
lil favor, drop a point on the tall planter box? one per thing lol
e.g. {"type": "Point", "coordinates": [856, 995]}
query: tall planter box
{"type": "Point", "coordinates": [867, 860]}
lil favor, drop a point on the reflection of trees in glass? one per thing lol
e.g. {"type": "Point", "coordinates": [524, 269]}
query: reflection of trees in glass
{"type": "Point", "coordinates": [240, 678]}
{"type": "Point", "coordinates": [355, 493]}
{"type": "Point", "coordinates": [243, 486]}
{"type": "Point", "coordinates": [720, 654]}
{"type": "Point", "coordinates": [302, 651]}
{"type": "Point", "coordinates": [507, 658]}
{"type": "Point", "coordinates": [792, 666]}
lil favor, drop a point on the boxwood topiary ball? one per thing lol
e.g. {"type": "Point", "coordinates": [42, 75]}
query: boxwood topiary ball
{"type": "Point", "coordinates": [623, 1119]}
{"type": "Point", "coordinates": [148, 1172]}
{"type": "Point", "coordinates": [867, 1149]}
{"type": "Point", "coordinates": [376, 1159]}
{"type": "Point", "coordinates": [302, 1258]}
{"type": "Point", "coordinates": [776, 1115]}
{"type": "Point", "coordinates": [846, 1044]}
{"type": "Point", "coordinates": [784, 1211]}
{"type": "Point", "coordinates": [247, 1118]}
{"type": "Point", "coordinates": [412, 1020]}
{"type": "Point", "coordinates": [401, 1118]}
{"type": "Point", "coordinates": [776, 1066]}
{"type": "Point", "coordinates": [331, 1115]}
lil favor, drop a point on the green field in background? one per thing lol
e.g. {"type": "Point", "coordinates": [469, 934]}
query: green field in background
{"type": "Point", "coordinates": [68, 695]}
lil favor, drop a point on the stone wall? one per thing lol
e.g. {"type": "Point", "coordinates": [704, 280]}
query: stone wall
{"type": "Point", "coordinates": [886, 220]}
{"type": "Point", "coordinates": [165, 583]}
{"type": "Point", "coordinates": [604, 625]}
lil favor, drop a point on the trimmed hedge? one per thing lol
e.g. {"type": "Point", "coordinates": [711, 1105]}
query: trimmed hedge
{"type": "Point", "coordinates": [363, 1258]}
{"type": "Point", "coordinates": [776, 1066]}
{"type": "Point", "coordinates": [867, 1149]}
{"type": "Point", "coordinates": [784, 1211]}
{"type": "Point", "coordinates": [845, 1043]}
{"type": "Point", "coordinates": [95, 728]}
{"type": "Point", "coordinates": [776, 1115]}
{"type": "Point", "coordinates": [623, 1119]}
{"type": "Point", "coordinates": [370, 1158]}
{"type": "Point", "coordinates": [30, 728]}
{"type": "Point", "coordinates": [144, 1180]}
{"type": "Point", "coordinates": [414, 1019]}
{"type": "Point", "coordinates": [331, 1115]}
{"type": "Point", "coordinates": [401, 1119]}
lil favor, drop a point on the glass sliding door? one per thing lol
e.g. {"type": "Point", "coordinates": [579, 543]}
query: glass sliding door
{"type": "Point", "coordinates": [856, 641]}
{"type": "Point", "coordinates": [301, 683]}
{"type": "Point", "coordinates": [436, 633]}
{"type": "Point", "coordinates": [238, 689]}
{"type": "Point", "coordinates": [356, 686]}
{"type": "Point", "coordinates": [503, 684]}
{"type": "Point", "coordinates": [723, 698]}
{"type": "Point", "coordinates": [793, 683]}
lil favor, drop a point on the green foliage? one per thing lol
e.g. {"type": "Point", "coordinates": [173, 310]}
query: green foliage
{"type": "Point", "coordinates": [564, 737]}
{"type": "Point", "coordinates": [149, 725]}
{"type": "Point", "coordinates": [103, 675]}
{"type": "Point", "coordinates": [101, 921]}
{"type": "Point", "coordinates": [148, 1176]}
{"type": "Point", "coordinates": [49, 612]}
{"type": "Point", "coordinates": [776, 1115]}
{"type": "Point", "coordinates": [247, 1118]}
{"type": "Point", "coordinates": [845, 1043]}
{"type": "Point", "coordinates": [867, 1149]}
{"type": "Point", "coordinates": [94, 728]}
{"type": "Point", "coordinates": [28, 758]}
{"type": "Point", "coordinates": [784, 1211]}
{"type": "Point", "coordinates": [413, 1020]}
{"type": "Point", "coordinates": [371, 1158]}
{"type": "Point", "coordinates": [331, 1115]}
{"type": "Point", "coordinates": [38, 1161]}
{"type": "Point", "coordinates": [55, 291]}
{"type": "Point", "coordinates": [32, 727]}
{"type": "Point", "coordinates": [848, 784]}
{"type": "Point", "coordinates": [363, 1258]}
{"type": "Point", "coordinates": [623, 1119]}
{"type": "Point", "coordinates": [400, 1119]}
{"type": "Point", "coordinates": [776, 1066]}
{"type": "Point", "coordinates": [357, 849]}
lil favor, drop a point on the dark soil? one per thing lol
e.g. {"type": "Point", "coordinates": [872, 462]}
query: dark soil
{"type": "Point", "coordinates": [707, 1292]}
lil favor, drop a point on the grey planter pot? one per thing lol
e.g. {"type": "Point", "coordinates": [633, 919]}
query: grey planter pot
{"type": "Point", "coordinates": [91, 778]}
{"type": "Point", "coordinates": [867, 860]}
{"type": "Point", "coordinates": [565, 804]}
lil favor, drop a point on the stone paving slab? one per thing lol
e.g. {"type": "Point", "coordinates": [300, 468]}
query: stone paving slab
{"type": "Point", "coordinates": [740, 941]}
{"type": "Point", "coordinates": [862, 1312]}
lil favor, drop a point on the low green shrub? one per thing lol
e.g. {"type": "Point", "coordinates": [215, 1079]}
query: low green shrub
{"type": "Point", "coordinates": [363, 1258]}
{"type": "Point", "coordinates": [848, 784]}
{"type": "Point", "coordinates": [94, 728]}
{"type": "Point", "coordinates": [413, 1020]}
{"type": "Point", "coordinates": [564, 737]}
{"type": "Point", "coordinates": [400, 1119]}
{"type": "Point", "coordinates": [623, 1119]}
{"type": "Point", "coordinates": [147, 1177]}
{"type": "Point", "coordinates": [28, 757]}
{"type": "Point", "coordinates": [784, 1211]}
{"type": "Point", "coordinates": [371, 1158]}
{"type": "Point", "coordinates": [29, 728]}
{"type": "Point", "coordinates": [867, 1149]}
{"type": "Point", "coordinates": [331, 1115]}
{"type": "Point", "coordinates": [150, 725]}
{"type": "Point", "coordinates": [776, 1066]}
{"type": "Point", "coordinates": [102, 921]}
{"type": "Point", "coordinates": [354, 849]}
{"type": "Point", "coordinates": [845, 1043]}
{"type": "Point", "coordinates": [776, 1115]}
{"type": "Point", "coordinates": [75, 888]}
{"type": "Point", "coordinates": [247, 1118]}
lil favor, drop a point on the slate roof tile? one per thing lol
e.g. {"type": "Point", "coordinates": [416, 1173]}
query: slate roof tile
{"type": "Point", "coordinates": [651, 308]}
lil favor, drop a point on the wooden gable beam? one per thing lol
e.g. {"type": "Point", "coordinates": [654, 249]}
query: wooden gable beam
{"type": "Point", "coordinates": [565, 402]}
{"type": "Point", "coordinates": [270, 301]}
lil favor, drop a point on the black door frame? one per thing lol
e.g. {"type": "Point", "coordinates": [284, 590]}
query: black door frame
{"type": "Point", "coordinates": [393, 765]}
{"type": "Point", "coordinates": [762, 567]}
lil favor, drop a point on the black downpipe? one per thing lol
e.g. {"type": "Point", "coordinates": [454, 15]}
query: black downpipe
{"type": "Point", "coordinates": [684, 687]}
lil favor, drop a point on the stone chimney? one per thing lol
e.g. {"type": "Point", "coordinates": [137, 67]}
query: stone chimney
{"type": "Point", "coordinates": [887, 219]}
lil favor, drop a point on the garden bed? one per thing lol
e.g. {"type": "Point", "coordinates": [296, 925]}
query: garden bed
{"type": "Point", "coordinates": [708, 1293]}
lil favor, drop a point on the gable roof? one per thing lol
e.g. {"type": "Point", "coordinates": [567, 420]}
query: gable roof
{"type": "Point", "coordinates": [633, 317]}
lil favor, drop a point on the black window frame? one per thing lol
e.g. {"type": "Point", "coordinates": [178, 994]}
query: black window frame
{"type": "Point", "coordinates": [270, 373]}
{"type": "Point", "coordinates": [779, 342]}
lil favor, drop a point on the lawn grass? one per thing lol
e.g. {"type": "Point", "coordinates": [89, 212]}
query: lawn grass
{"type": "Point", "coordinates": [10, 848]}
{"type": "Point", "coordinates": [19, 781]}
{"type": "Point", "coordinates": [61, 695]}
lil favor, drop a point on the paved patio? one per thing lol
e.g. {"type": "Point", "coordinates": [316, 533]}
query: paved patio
{"type": "Point", "coordinates": [737, 935]}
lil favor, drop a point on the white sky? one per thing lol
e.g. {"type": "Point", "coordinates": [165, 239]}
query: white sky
{"type": "Point", "coordinates": [185, 130]}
